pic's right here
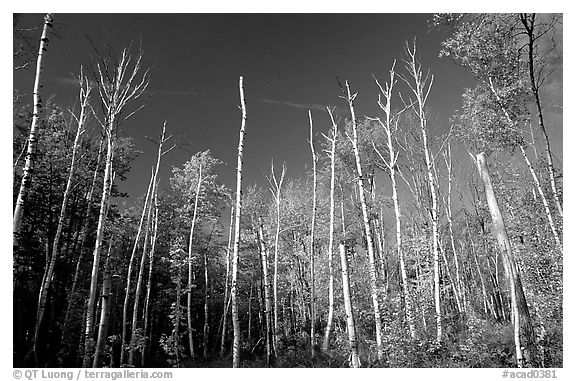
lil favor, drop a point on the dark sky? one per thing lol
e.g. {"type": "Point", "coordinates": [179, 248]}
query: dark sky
{"type": "Point", "coordinates": [289, 62]}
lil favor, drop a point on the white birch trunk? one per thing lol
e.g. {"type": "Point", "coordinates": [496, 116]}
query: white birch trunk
{"type": "Point", "coordinates": [233, 290]}
{"type": "Point", "coordinates": [49, 270]}
{"type": "Point", "coordinates": [332, 155]}
{"type": "Point", "coordinates": [32, 138]}
{"type": "Point", "coordinates": [350, 324]}
{"type": "Point", "coordinates": [312, 246]}
{"type": "Point", "coordinates": [190, 268]}
{"type": "Point", "coordinates": [367, 230]}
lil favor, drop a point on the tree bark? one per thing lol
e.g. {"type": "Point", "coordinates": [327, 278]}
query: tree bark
{"type": "Point", "coordinates": [130, 267]}
{"type": "Point", "coordinates": [520, 313]}
{"type": "Point", "coordinates": [332, 155]}
{"type": "Point", "coordinates": [267, 302]}
{"type": "Point", "coordinates": [149, 283]}
{"type": "Point", "coordinates": [233, 290]}
{"type": "Point", "coordinates": [104, 312]}
{"type": "Point", "coordinates": [88, 341]}
{"type": "Point", "coordinates": [350, 324]}
{"type": "Point", "coordinates": [312, 246]}
{"type": "Point", "coordinates": [226, 289]}
{"type": "Point", "coordinates": [32, 138]}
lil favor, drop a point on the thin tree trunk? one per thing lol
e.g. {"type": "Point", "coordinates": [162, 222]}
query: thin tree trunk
{"type": "Point", "coordinates": [312, 246]}
{"type": "Point", "coordinates": [104, 312]}
{"type": "Point", "coordinates": [528, 22]}
{"type": "Point", "coordinates": [351, 326]}
{"type": "Point", "coordinates": [518, 301]}
{"type": "Point", "coordinates": [130, 267]}
{"type": "Point", "coordinates": [367, 230]}
{"type": "Point", "coordinates": [250, 313]}
{"type": "Point", "coordinates": [49, 270]}
{"type": "Point", "coordinates": [32, 138]}
{"type": "Point", "coordinates": [226, 295]}
{"type": "Point", "coordinates": [275, 190]}
{"type": "Point", "coordinates": [88, 341]}
{"type": "Point", "coordinates": [332, 155]}
{"type": "Point", "coordinates": [267, 301]}
{"type": "Point", "coordinates": [176, 336]}
{"type": "Point", "coordinates": [233, 290]}
{"type": "Point", "coordinates": [531, 169]}
{"type": "Point", "coordinates": [190, 268]}
{"type": "Point", "coordinates": [149, 284]}
{"type": "Point", "coordinates": [421, 89]}
{"type": "Point", "coordinates": [391, 165]}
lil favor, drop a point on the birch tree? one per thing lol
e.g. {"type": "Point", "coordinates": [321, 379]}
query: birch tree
{"type": "Point", "coordinates": [312, 246]}
{"type": "Point", "coordinates": [332, 155]}
{"type": "Point", "coordinates": [32, 139]}
{"type": "Point", "coordinates": [420, 87]}
{"type": "Point", "coordinates": [85, 89]}
{"type": "Point", "coordinates": [390, 126]}
{"type": "Point", "coordinates": [275, 187]}
{"type": "Point", "coordinates": [367, 230]}
{"type": "Point", "coordinates": [238, 209]}
{"type": "Point", "coordinates": [119, 85]}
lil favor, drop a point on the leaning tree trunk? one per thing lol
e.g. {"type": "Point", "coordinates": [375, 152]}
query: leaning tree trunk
{"type": "Point", "coordinates": [312, 246]}
{"type": "Point", "coordinates": [130, 267]}
{"type": "Point", "coordinates": [520, 313]}
{"type": "Point", "coordinates": [530, 168]}
{"type": "Point", "coordinates": [528, 22]}
{"type": "Point", "coordinates": [351, 326]}
{"type": "Point", "coordinates": [105, 312]}
{"type": "Point", "coordinates": [49, 270]}
{"type": "Point", "coordinates": [332, 155]}
{"type": "Point", "coordinates": [32, 138]}
{"type": "Point", "coordinates": [73, 294]}
{"type": "Point", "coordinates": [233, 290]}
{"type": "Point", "coordinates": [367, 230]}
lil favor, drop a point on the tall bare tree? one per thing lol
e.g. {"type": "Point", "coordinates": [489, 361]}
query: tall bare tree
{"type": "Point", "coordinates": [420, 87]}
{"type": "Point", "coordinates": [367, 230]}
{"type": "Point", "coordinates": [312, 246]}
{"type": "Point", "coordinates": [32, 138]}
{"type": "Point", "coordinates": [119, 84]}
{"type": "Point", "coordinates": [238, 208]}
{"type": "Point", "coordinates": [275, 187]}
{"type": "Point", "coordinates": [390, 126]}
{"type": "Point", "coordinates": [332, 155]}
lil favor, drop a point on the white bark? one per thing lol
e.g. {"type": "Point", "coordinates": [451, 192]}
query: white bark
{"type": "Point", "coordinates": [233, 290]}
{"type": "Point", "coordinates": [32, 138]}
{"type": "Point", "coordinates": [312, 246]}
{"type": "Point", "coordinates": [275, 187]}
{"type": "Point", "coordinates": [351, 326]}
{"type": "Point", "coordinates": [332, 155]}
{"type": "Point", "coordinates": [85, 89]}
{"type": "Point", "coordinates": [389, 127]}
{"type": "Point", "coordinates": [420, 87]}
{"type": "Point", "coordinates": [367, 230]}
{"type": "Point", "coordinates": [190, 268]}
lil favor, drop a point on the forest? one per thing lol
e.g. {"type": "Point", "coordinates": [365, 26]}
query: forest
{"type": "Point", "coordinates": [399, 247]}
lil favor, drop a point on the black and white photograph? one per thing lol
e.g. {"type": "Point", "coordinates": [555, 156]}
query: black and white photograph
{"type": "Point", "coordinates": [287, 190]}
